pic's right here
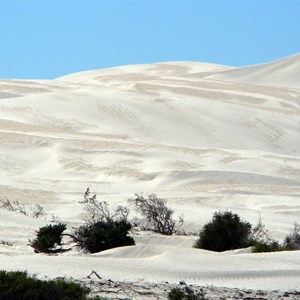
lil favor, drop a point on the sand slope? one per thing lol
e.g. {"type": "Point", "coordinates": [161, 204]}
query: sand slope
{"type": "Point", "coordinates": [281, 73]}
{"type": "Point", "coordinates": [204, 137]}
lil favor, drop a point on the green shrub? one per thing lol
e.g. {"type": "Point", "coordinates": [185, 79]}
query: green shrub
{"type": "Point", "coordinates": [20, 286]}
{"type": "Point", "coordinates": [261, 240]}
{"type": "Point", "coordinates": [185, 294]}
{"type": "Point", "coordinates": [47, 237]}
{"type": "Point", "coordinates": [265, 246]}
{"type": "Point", "coordinates": [292, 240]}
{"type": "Point", "coordinates": [103, 235]}
{"type": "Point", "coordinates": [224, 232]}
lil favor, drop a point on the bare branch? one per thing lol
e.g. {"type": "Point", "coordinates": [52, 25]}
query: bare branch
{"type": "Point", "coordinates": [6, 204]}
{"type": "Point", "coordinates": [100, 211]}
{"type": "Point", "coordinates": [18, 207]}
{"type": "Point", "coordinates": [95, 273]}
{"type": "Point", "coordinates": [7, 243]}
{"type": "Point", "coordinates": [37, 211]}
{"type": "Point", "coordinates": [157, 216]}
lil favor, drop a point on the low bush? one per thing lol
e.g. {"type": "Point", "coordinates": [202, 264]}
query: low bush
{"type": "Point", "coordinates": [292, 241]}
{"type": "Point", "coordinates": [48, 237]}
{"type": "Point", "coordinates": [225, 231]}
{"type": "Point", "coordinates": [100, 211]}
{"type": "Point", "coordinates": [103, 235]}
{"type": "Point", "coordinates": [104, 228]}
{"type": "Point", "coordinates": [19, 286]}
{"type": "Point", "coordinates": [186, 293]}
{"type": "Point", "coordinates": [261, 240]}
{"type": "Point", "coordinates": [265, 246]}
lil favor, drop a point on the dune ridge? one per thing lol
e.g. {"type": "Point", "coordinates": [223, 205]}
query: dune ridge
{"type": "Point", "coordinates": [282, 73]}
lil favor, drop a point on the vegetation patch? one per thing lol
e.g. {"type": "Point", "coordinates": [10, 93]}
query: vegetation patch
{"type": "Point", "coordinates": [226, 231]}
{"type": "Point", "coordinates": [48, 237]}
{"type": "Point", "coordinates": [19, 286]}
{"type": "Point", "coordinates": [157, 216]}
{"type": "Point", "coordinates": [103, 235]}
{"type": "Point", "coordinates": [186, 293]}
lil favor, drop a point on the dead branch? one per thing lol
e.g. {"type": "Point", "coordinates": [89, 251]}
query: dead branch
{"type": "Point", "coordinates": [157, 216]}
{"type": "Point", "coordinates": [95, 273]}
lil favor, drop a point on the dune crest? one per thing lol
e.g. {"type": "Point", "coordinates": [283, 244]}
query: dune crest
{"type": "Point", "coordinates": [283, 73]}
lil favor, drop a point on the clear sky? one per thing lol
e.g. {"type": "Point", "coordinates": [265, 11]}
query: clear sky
{"type": "Point", "coordinates": [48, 39]}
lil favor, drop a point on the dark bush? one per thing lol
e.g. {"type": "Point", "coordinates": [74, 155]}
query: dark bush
{"type": "Point", "coordinates": [20, 286]}
{"type": "Point", "coordinates": [47, 237]}
{"type": "Point", "coordinates": [103, 235]}
{"type": "Point", "coordinates": [186, 294]}
{"type": "Point", "coordinates": [224, 232]}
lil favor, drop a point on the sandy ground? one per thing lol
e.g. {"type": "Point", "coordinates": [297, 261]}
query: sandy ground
{"type": "Point", "coordinates": [204, 137]}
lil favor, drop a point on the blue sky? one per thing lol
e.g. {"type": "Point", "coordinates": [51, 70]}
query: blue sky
{"type": "Point", "coordinates": [48, 39]}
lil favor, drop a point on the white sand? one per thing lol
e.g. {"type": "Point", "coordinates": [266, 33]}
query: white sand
{"type": "Point", "coordinates": [204, 137]}
{"type": "Point", "coordinates": [281, 73]}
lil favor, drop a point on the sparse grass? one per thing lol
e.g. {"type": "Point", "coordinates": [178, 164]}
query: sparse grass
{"type": "Point", "coordinates": [34, 211]}
{"type": "Point", "coordinates": [7, 243]}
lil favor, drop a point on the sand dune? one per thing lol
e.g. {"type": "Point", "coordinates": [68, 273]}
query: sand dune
{"type": "Point", "coordinates": [281, 73]}
{"type": "Point", "coordinates": [204, 137]}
